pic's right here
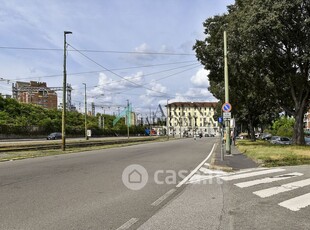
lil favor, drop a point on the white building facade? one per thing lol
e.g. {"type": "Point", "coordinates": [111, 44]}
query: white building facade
{"type": "Point", "coordinates": [307, 122]}
{"type": "Point", "coordinates": [186, 119]}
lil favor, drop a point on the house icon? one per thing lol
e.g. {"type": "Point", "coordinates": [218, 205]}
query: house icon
{"type": "Point", "coordinates": [135, 177]}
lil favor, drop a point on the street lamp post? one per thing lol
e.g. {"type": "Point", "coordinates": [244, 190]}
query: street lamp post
{"type": "Point", "coordinates": [85, 102]}
{"type": "Point", "coordinates": [64, 90]}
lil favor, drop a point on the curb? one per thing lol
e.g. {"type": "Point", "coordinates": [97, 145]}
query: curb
{"type": "Point", "coordinates": [219, 167]}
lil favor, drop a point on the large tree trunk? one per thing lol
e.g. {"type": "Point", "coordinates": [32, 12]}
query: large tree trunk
{"type": "Point", "coordinates": [298, 136]}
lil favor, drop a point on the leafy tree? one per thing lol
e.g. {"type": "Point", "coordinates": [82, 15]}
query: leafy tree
{"type": "Point", "coordinates": [269, 58]}
{"type": "Point", "coordinates": [283, 126]}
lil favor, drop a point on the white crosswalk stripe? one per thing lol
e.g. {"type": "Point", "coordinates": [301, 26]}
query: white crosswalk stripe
{"type": "Point", "coordinates": [293, 204]}
{"type": "Point", "coordinates": [268, 180]}
{"type": "Point", "coordinates": [283, 188]}
{"type": "Point", "coordinates": [250, 174]}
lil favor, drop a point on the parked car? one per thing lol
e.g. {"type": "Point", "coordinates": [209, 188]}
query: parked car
{"type": "Point", "coordinates": [266, 136]}
{"type": "Point", "coordinates": [54, 136]}
{"type": "Point", "coordinates": [307, 140]}
{"type": "Point", "coordinates": [281, 140]}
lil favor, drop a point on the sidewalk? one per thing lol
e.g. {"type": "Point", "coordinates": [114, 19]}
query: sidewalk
{"type": "Point", "coordinates": [233, 161]}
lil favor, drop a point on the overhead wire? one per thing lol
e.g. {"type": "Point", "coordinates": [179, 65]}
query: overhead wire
{"type": "Point", "coordinates": [98, 71]}
{"type": "Point", "coordinates": [97, 51]}
{"type": "Point", "coordinates": [132, 82]}
{"type": "Point", "coordinates": [171, 75]}
{"type": "Point", "coordinates": [158, 72]}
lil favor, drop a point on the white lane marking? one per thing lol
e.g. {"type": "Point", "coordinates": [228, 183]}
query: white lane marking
{"type": "Point", "coordinates": [295, 204]}
{"type": "Point", "coordinates": [212, 171]}
{"type": "Point", "coordinates": [128, 224]}
{"type": "Point", "coordinates": [163, 197]}
{"type": "Point", "coordinates": [196, 169]}
{"type": "Point", "coordinates": [283, 188]}
{"type": "Point", "coordinates": [251, 174]}
{"type": "Point", "coordinates": [268, 180]}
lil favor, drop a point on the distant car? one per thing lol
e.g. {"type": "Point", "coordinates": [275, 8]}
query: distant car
{"type": "Point", "coordinates": [281, 140]}
{"type": "Point", "coordinates": [54, 136]}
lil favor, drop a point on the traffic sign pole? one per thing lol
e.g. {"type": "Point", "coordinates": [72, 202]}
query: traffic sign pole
{"type": "Point", "coordinates": [227, 122]}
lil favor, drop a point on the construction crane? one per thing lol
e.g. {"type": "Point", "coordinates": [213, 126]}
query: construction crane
{"type": "Point", "coordinates": [161, 111]}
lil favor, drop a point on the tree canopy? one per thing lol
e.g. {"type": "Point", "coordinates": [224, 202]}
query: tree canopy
{"type": "Point", "coordinates": [268, 59]}
{"type": "Point", "coordinates": [20, 118]}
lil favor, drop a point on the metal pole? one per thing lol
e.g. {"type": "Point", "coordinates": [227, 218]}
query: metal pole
{"type": "Point", "coordinates": [168, 119]}
{"type": "Point", "coordinates": [64, 90]}
{"type": "Point", "coordinates": [128, 119]}
{"type": "Point", "coordinates": [85, 101]}
{"type": "Point", "coordinates": [228, 150]}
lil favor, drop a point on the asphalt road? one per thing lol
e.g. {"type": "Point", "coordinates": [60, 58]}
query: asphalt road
{"type": "Point", "coordinates": [85, 190]}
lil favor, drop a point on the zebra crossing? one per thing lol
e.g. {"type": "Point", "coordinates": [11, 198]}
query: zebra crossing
{"type": "Point", "coordinates": [275, 178]}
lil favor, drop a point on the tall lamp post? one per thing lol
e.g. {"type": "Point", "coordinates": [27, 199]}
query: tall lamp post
{"type": "Point", "coordinates": [64, 91]}
{"type": "Point", "coordinates": [85, 102]}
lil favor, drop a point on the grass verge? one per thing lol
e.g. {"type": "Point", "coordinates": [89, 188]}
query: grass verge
{"type": "Point", "coordinates": [270, 155]}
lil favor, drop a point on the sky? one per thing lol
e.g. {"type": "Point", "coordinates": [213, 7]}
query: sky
{"type": "Point", "coordinates": [123, 50]}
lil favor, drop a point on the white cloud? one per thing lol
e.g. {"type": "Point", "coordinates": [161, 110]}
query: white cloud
{"type": "Point", "coordinates": [106, 83]}
{"type": "Point", "coordinates": [156, 90]}
{"type": "Point", "coordinates": [200, 93]}
{"type": "Point", "coordinates": [200, 79]}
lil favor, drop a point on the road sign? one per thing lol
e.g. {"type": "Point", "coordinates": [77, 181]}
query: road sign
{"type": "Point", "coordinates": [227, 115]}
{"type": "Point", "coordinates": [220, 119]}
{"type": "Point", "coordinates": [226, 107]}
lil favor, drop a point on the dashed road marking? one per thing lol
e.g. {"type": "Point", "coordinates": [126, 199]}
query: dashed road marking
{"type": "Point", "coordinates": [163, 197]}
{"type": "Point", "coordinates": [128, 224]}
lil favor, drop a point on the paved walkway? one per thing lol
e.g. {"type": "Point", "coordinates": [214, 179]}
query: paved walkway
{"type": "Point", "coordinates": [234, 161]}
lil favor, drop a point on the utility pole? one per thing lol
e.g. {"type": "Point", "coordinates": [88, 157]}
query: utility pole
{"type": "Point", "coordinates": [85, 101]}
{"type": "Point", "coordinates": [128, 118]}
{"type": "Point", "coordinates": [64, 95]}
{"type": "Point", "coordinates": [168, 111]}
{"type": "Point", "coordinates": [228, 147]}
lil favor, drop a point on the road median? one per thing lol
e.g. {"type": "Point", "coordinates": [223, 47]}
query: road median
{"type": "Point", "coordinates": [21, 150]}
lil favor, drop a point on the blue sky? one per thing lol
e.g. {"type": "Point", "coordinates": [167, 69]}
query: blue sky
{"type": "Point", "coordinates": [136, 50]}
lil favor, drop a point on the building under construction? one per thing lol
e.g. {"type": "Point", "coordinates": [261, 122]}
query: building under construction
{"type": "Point", "coordinates": [35, 93]}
